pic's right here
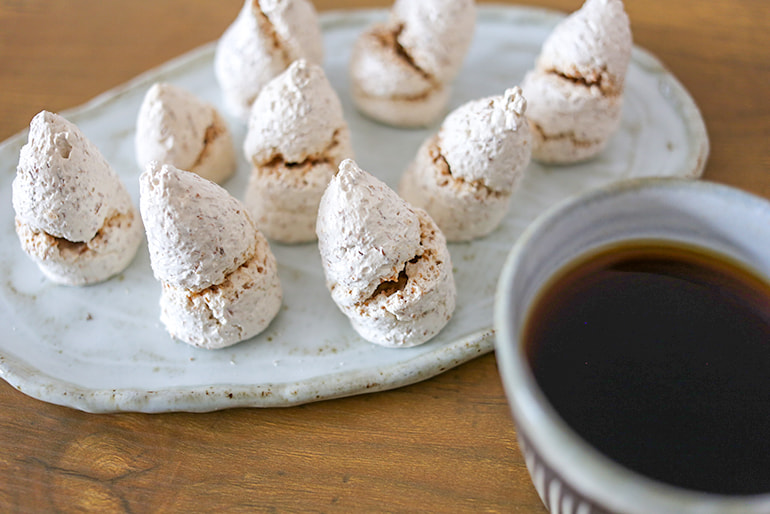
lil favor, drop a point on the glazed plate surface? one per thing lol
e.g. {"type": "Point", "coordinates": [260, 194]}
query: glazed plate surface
{"type": "Point", "coordinates": [102, 348]}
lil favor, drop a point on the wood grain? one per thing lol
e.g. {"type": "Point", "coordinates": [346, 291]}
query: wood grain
{"type": "Point", "coordinates": [443, 445]}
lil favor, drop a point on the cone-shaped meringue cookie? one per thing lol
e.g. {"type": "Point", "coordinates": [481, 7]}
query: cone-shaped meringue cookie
{"type": "Point", "coordinates": [401, 70]}
{"type": "Point", "coordinates": [297, 138]}
{"type": "Point", "coordinates": [176, 127]}
{"type": "Point", "coordinates": [265, 38]}
{"type": "Point", "coordinates": [386, 263]}
{"type": "Point", "coordinates": [464, 175]}
{"type": "Point", "coordinates": [219, 276]}
{"type": "Point", "coordinates": [575, 92]}
{"type": "Point", "coordinates": [74, 216]}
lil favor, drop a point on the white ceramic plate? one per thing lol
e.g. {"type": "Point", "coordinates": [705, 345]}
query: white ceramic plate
{"type": "Point", "coordinates": [101, 348]}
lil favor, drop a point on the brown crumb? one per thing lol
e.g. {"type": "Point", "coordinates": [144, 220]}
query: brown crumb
{"type": "Point", "coordinates": [213, 131]}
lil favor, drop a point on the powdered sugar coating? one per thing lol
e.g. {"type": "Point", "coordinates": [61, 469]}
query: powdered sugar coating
{"type": "Point", "coordinates": [411, 312]}
{"type": "Point", "coordinates": [220, 279]}
{"type": "Point", "coordinates": [265, 38]}
{"type": "Point", "coordinates": [575, 92]}
{"type": "Point", "coordinates": [197, 233]}
{"type": "Point", "coordinates": [296, 116]}
{"type": "Point", "coordinates": [78, 264]}
{"type": "Point", "coordinates": [296, 22]}
{"type": "Point", "coordinates": [240, 307]}
{"type": "Point", "coordinates": [592, 45]}
{"type": "Point", "coordinates": [436, 34]}
{"type": "Point", "coordinates": [463, 210]}
{"type": "Point", "coordinates": [74, 217]}
{"type": "Point", "coordinates": [386, 263]}
{"type": "Point", "coordinates": [366, 234]}
{"type": "Point", "coordinates": [176, 127]}
{"type": "Point", "coordinates": [465, 174]}
{"type": "Point", "coordinates": [569, 123]}
{"type": "Point", "coordinates": [401, 70]}
{"type": "Point", "coordinates": [488, 140]}
{"type": "Point", "coordinates": [63, 184]}
{"type": "Point", "coordinates": [296, 139]}
{"type": "Point", "coordinates": [388, 88]}
{"type": "Point", "coordinates": [283, 199]}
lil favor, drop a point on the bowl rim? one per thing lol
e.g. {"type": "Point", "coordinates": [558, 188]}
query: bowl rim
{"type": "Point", "coordinates": [601, 480]}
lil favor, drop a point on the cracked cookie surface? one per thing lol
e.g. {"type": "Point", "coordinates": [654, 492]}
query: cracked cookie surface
{"type": "Point", "coordinates": [401, 70]}
{"type": "Point", "coordinates": [265, 38]}
{"type": "Point", "coordinates": [219, 276]}
{"type": "Point", "coordinates": [465, 174]}
{"type": "Point", "coordinates": [176, 127]}
{"type": "Point", "coordinates": [386, 263]}
{"type": "Point", "coordinates": [74, 216]}
{"type": "Point", "coordinates": [296, 139]}
{"type": "Point", "coordinates": [575, 91]}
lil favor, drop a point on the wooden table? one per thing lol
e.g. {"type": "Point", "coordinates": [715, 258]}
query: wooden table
{"type": "Point", "coordinates": [446, 444]}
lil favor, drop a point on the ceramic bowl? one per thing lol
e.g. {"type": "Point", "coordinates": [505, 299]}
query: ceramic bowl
{"type": "Point", "coordinates": [570, 475]}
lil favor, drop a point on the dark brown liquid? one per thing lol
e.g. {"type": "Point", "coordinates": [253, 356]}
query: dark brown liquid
{"type": "Point", "coordinates": [659, 357]}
